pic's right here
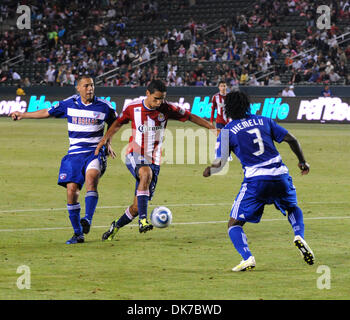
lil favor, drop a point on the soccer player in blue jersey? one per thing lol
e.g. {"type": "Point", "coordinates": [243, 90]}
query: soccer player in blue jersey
{"type": "Point", "coordinates": [266, 178]}
{"type": "Point", "coordinates": [86, 115]}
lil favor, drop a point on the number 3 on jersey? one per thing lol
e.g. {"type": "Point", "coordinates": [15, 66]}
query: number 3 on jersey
{"type": "Point", "coordinates": [258, 140]}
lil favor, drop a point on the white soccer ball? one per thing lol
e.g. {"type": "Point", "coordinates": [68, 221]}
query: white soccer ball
{"type": "Point", "coordinates": [161, 217]}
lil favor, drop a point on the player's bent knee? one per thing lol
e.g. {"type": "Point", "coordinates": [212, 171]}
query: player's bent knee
{"type": "Point", "coordinates": [234, 222]}
{"type": "Point", "coordinates": [72, 192]}
{"type": "Point", "coordinates": [145, 180]}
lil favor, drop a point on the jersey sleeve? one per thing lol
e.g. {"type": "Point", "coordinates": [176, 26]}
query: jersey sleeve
{"type": "Point", "coordinates": [177, 113]}
{"type": "Point", "coordinates": [213, 107]}
{"type": "Point", "coordinates": [222, 147]}
{"type": "Point", "coordinates": [277, 132]}
{"type": "Point", "coordinates": [112, 115]}
{"type": "Point", "coordinates": [58, 110]}
{"type": "Point", "coordinates": [124, 117]}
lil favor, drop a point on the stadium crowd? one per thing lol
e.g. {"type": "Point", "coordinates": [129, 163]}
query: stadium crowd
{"type": "Point", "coordinates": [57, 41]}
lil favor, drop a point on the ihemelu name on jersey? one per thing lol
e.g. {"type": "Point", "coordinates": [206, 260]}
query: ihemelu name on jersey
{"type": "Point", "coordinates": [246, 124]}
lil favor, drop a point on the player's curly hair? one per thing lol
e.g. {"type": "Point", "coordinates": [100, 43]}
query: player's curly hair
{"type": "Point", "coordinates": [237, 105]}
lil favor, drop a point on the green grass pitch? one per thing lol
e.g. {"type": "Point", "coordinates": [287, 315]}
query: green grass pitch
{"type": "Point", "coordinates": [192, 259]}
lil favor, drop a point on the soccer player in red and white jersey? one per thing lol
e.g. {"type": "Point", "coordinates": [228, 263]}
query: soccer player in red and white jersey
{"type": "Point", "coordinates": [148, 119]}
{"type": "Point", "coordinates": [218, 103]}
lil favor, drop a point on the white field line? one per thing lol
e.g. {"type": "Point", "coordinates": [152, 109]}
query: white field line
{"type": "Point", "coordinates": [155, 205]}
{"type": "Point", "coordinates": [119, 207]}
{"type": "Point", "coordinates": [175, 223]}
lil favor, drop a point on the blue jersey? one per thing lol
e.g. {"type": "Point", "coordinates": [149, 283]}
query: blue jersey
{"type": "Point", "coordinates": [86, 123]}
{"type": "Point", "coordinates": [252, 140]}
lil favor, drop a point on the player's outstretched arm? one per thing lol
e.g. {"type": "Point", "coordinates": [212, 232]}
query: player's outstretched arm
{"type": "Point", "coordinates": [40, 114]}
{"type": "Point", "coordinates": [201, 122]}
{"type": "Point", "coordinates": [296, 148]}
{"type": "Point", "coordinates": [106, 140]}
{"type": "Point", "coordinates": [215, 167]}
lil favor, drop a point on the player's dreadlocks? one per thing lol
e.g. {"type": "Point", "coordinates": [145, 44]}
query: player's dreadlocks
{"type": "Point", "coordinates": [237, 105]}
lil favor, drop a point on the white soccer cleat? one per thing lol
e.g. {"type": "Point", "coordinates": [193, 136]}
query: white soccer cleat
{"type": "Point", "coordinates": [245, 265]}
{"type": "Point", "coordinates": [304, 249]}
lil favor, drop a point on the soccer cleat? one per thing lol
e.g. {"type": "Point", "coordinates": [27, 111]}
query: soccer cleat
{"type": "Point", "coordinates": [144, 225]}
{"type": "Point", "coordinates": [77, 238]}
{"type": "Point", "coordinates": [248, 264]}
{"type": "Point", "coordinates": [85, 224]}
{"type": "Point", "coordinates": [304, 249]}
{"type": "Point", "coordinates": [113, 229]}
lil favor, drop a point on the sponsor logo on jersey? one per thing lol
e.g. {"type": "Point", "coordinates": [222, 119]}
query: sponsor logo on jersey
{"type": "Point", "coordinates": [142, 128]}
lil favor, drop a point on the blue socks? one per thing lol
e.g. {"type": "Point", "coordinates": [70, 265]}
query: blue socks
{"type": "Point", "coordinates": [74, 216]}
{"type": "Point", "coordinates": [239, 240]}
{"type": "Point", "coordinates": [142, 203]}
{"type": "Point", "coordinates": [295, 218]}
{"type": "Point", "coordinates": [125, 219]}
{"type": "Point", "coordinates": [91, 199]}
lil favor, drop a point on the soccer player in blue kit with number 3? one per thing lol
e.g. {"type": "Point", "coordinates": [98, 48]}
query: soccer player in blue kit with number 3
{"type": "Point", "coordinates": [266, 178]}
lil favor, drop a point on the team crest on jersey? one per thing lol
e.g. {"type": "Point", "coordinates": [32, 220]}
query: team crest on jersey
{"type": "Point", "coordinates": [63, 176]}
{"type": "Point", "coordinates": [181, 111]}
{"type": "Point", "coordinates": [161, 117]}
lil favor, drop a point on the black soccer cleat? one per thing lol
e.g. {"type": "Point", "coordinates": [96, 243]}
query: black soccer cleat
{"type": "Point", "coordinates": [85, 225]}
{"type": "Point", "coordinates": [144, 225]}
{"type": "Point", "coordinates": [109, 235]}
{"type": "Point", "coordinates": [305, 250]}
{"type": "Point", "coordinates": [77, 238]}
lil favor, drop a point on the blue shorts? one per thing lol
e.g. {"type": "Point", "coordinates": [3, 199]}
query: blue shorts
{"type": "Point", "coordinates": [134, 163]}
{"type": "Point", "coordinates": [73, 167]}
{"type": "Point", "coordinates": [254, 195]}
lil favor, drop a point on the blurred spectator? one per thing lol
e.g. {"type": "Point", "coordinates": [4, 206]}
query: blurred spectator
{"type": "Point", "coordinates": [326, 92]}
{"type": "Point", "coordinates": [244, 77]}
{"type": "Point", "coordinates": [199, 82]}
{"type": "Point", "coordinates": [38, 79]}
{"type": "Point", "coordinates": [314, 76]}
{"type": "Point", "coordinates": [275, 81]}
{"type": "Point", "coordinates": [296, 77]}
{"type": "Point", "coordinates": [50, 75]}
{"type": "Point", "coordinates": [20, 91]}
{"type": "Point", "coordinates": [3, 76]}
{"type": "Point", "coordinates": [26, 82]}
{"type": "Point", "coordinates": [15, 76]}
{"type": "Point", "coordinates": [347, 80]}
{"type": "Point", "coordinates": [253, 82]}
{"type": "Point", "coordinates": [288, 92]}
{"type": "Point", "coordinates": [333, 76]}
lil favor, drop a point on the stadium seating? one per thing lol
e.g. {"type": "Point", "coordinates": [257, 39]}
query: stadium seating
{"type": "Point", "coordinates": [207, 15]}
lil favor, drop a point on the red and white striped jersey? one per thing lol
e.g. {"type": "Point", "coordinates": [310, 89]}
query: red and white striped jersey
{"type": "Point", "coordinates": [218, 103]}
{"type": "Point", "coordinates": [148, 127]}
